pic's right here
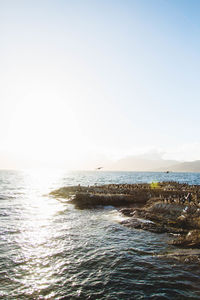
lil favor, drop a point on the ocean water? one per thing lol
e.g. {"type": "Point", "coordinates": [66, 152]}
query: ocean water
{"type": "Point", "coordinates": [50, 250]}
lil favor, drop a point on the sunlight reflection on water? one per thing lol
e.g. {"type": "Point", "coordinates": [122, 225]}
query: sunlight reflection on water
{"type": "Point", "coordinates": [50, 250]}
{"type": "Point", "coordinates": [37, 235]}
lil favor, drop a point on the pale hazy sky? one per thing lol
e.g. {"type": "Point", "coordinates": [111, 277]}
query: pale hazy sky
{"type": "Point", "coordinates": [86, 81]}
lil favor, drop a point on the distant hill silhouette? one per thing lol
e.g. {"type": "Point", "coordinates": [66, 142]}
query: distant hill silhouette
{"type": "Point", "coordinates": [193, 166]}
{"type": "Point", "coordinates": [152, 163]}
{"type": "Point", "coordinates": [141, 163]}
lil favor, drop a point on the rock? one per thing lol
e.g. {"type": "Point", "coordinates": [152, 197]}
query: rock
{"type": "Point", "coordinates": [136, 193]}
{"type": "Point", "coordinates": [190, 240]}
{"type": "Point", "coordinates": [143, 224]}
{"type": "Point", "coordinates": [90, 200]}
{"type": "Point", "coordinates": [168, 211]}
{"type": "Point", "coordinates": [128, 212]}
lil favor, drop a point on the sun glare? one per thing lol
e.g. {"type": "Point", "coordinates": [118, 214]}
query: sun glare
{"type": "Point", "coordinates": [45, 130]}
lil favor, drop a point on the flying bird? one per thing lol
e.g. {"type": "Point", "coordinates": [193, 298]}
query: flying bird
{"type": "Point", "coordinates": [99, 168]}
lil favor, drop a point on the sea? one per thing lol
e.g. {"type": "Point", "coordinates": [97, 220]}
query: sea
{"type": "Point", "coordinates": [51, 250]}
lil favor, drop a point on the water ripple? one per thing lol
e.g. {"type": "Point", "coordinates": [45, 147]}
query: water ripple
{"type": "Point", "coordinates": [49, 250]}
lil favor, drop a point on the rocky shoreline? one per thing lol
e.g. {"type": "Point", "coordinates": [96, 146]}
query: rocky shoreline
{"type": "Point", "coordinates": [164, 207]}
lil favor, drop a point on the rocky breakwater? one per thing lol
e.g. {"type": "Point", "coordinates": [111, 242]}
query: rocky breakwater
{"type": "Point", "coordinates": [125, 195]}
{"type": "Point", "coordinates": [117, 195]}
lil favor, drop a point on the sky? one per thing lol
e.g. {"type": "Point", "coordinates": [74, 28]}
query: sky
{"type": "Point", "coordinates": [87, 82]}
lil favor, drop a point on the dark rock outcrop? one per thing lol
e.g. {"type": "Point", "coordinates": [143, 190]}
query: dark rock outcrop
{"type": "Point", "coordinates": [126, 194]}
{"type": "Point", "coordinates": [190, 240]}
{"type": "Point", "coordinates": [144, 225]}
{"type": "Point", "coordinates": [91, 200]}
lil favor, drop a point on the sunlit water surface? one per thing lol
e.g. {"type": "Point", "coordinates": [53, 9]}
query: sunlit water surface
{"type": "Point", "coordinates": [50, 250]}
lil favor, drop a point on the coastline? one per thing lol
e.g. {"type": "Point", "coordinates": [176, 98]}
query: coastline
{"type": "Point", "coordinates": [162, 207]}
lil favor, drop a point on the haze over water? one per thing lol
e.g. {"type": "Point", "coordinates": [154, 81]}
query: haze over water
{"type": "Point", "coordinates": [84, 83]}
{"type": "Point", "coordinates": [50, 250]}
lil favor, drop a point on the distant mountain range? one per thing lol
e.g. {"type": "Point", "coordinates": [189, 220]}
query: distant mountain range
{"type": "Point", "coordinates": [193, 166]}
{"type": "Point", "coordinates": [144, 163]}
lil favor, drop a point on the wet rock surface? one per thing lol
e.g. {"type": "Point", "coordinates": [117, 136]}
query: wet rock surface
{"type": "Point", "coordinates": [144, 225]}
{"type": "Point", "coordinates": [190, 240]}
